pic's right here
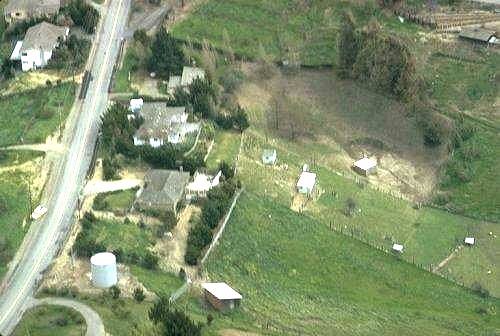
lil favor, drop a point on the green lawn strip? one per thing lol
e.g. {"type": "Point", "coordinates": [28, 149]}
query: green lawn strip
{"type": "Point", "coordinates": [31, 116]}
{"type": "Point", "coordinates": [225, 148]}
{"type": "Point", "coordinates": [480, 262]}
{"type": "Point", "coordinates": [51, 321]}
{"type": "Point", "coordinates": [14, 207]}
{"type": "Point", "coordinates": [296, 273]}
{"type": "Point", "coordinates": [17, 157]}
{"type": "Point", "coordinates": [159, 282]}
{"type": "Point", "coordinates": [129, 66]}
{"type": "Point", "coordinates": [116, 201]}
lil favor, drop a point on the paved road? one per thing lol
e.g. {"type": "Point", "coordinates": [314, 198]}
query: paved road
{"type": "Point", "coordinates": [43, 243]}
{"type": "Point", "coordinates": [95, 327]}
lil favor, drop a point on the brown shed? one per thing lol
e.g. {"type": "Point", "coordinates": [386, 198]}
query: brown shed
{"type": "Point", "coordinates": [221, 296]}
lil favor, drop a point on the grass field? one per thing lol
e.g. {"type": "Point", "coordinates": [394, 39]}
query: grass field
{"type": "Point", "coordinates": [117, 201]}
{"type": "Point", "coordinates": [51, 321]}
{"type": "Point", "coordinates": [14, 207]}
{"type": "Point", "coordinates": [306, 29]}
{"type": "Point", "coordinates": [130, 64]}
{"type": "Point", "coordinates": [302, 278]}
{"type": "Point", "coordinates": [12, 157]}
{"type": "Point", "coordinates": [31, 116]}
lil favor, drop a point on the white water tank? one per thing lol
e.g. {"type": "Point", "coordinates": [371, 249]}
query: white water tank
{"type": "Point", "coordinates": [103, 268]}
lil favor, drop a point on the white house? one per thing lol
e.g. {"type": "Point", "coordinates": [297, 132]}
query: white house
{"type": "Point", "coordinates": [201, 184]}
{"type": "Point", "coordinates": [306, 182]}
{"type": "Point", "coordinates": [365, 166]}
{"type": "Point", "coordinates": [38, 45]}
{"type": "Point", "coordinates": [163, 124]}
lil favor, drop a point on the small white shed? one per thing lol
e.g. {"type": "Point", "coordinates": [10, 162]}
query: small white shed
{"type": "Point", "coordinates": [306, 182]}
{"type": "Point", "coordinates": [397, 248]}
{"type": "Point", "coordinates": [136, 104]}
{"type": "Point", "coordinates": [469, 241]}
{"type": "Point", "coordinates": [365, 166]}
{"type": "Point", "coordinates": [269, 156]}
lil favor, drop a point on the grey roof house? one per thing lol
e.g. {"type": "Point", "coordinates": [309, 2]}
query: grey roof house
{"type": "Point", "coordinates": [39, 42]}
{"type": "Point", "coordinates": [163, 124]}
{"type": "Point", "coordinates": [17, 10]}
{"type": "Point", "coordinates": [189, 74]}
{"type": "Point", "coordinates": [163, 190]}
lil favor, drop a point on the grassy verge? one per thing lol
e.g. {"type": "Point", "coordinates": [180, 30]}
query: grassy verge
{"type": "Point", "coordinates": [299, 276]}
{"type": "Point", "coordinates": [29, 117]}
{"type": "Point", "coordinates": [10, 158]}
{"type": "Point", "coordinates": [117, 201]}
{"type": "Point", "coordinates": [14, 207]}
{"type": "Point", "coordinates": [129, 67]}
{"type": "Point", "coordinates": [51, 321]}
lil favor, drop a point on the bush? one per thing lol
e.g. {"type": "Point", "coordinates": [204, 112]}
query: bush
{"type": "Point", "coordinates": [231, 80]}
{"type": "Point", "coordinates": [480, 290]}
{"type": "Point", "coordinates": [149, 261]}
{"type": "Point", "coordinates": [350, 207]}
{"type": "Point", "coordinates": [172, 322]}
{"type": "Point", "coordinates": [139, 294]}
{"type": "Point", "coordinates": [83, 15]}
{"type": "Point", "coordinates": [115, 292]}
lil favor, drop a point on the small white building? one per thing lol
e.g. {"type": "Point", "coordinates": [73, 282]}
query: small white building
{"type": "Point", "coordinates": [269, 156]}
{"type": "Point", "coordinates": [397, 248]}
{"type": "Point", "coordinates": [306, 182]}
{"type": "Point", "coordinates": [365, 166]}
{"type": "Point", "coordinates": [103, 270]}
{"type": "Point", "coordinates": [221, 296]}
{"type": "Point", "coordinates": [36, 49]}
{"type": "Point", "coordinates": [470, 241]}
{"type": "Point", "coordinates": [201, 184]}
{"type": "Point", "coordinates": [135, 105]}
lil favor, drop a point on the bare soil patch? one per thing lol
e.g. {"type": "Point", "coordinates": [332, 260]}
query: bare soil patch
{"type": "Point", "coordinates": [345, 121]}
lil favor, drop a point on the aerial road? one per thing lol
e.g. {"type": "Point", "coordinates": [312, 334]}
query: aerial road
{"type": "Point", "coordinates": [67, 182]}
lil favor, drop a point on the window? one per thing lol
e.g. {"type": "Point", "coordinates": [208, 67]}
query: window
{"type": "Point", "coordinates": [24, 54]}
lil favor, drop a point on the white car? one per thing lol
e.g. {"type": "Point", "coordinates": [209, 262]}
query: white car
{"type": "Point", "coordinates": [39, 212]}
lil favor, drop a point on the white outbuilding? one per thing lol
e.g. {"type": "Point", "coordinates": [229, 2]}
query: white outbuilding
{"type": "Point", "coordinates": [469, 241]}
{"type": "Point", "coordinates": [365, 166]}
{"type": "Point", "coordinates": [221, 296]}
{"type": "Point", "coordinates": [306, 182]}
{"type": "Point", "coordinates": [103, 270]}
{"type": "Point", "coordinates": [136, 104]}
{"type": "Point", "coordinates": [269, 156]}
{"type": "Point", "coordinates": [397, 248]}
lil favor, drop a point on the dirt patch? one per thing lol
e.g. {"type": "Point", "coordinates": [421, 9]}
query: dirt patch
{"type": "Point", "coordinates": [171, 250]}
{"type": "Point", "coordinates": [350, 120]}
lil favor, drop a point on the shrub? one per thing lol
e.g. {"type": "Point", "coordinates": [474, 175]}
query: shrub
{"type": "Point", "coordinates": [480, 290]}
{"type": "Point", "coordinates": [115, 292]}
{"type": "Point", "coordinates": [139, 294]}
{"type": "Point", "coordinates": [350, 207]}
{"type": "Point", "coordinates": [83, 15]}
{"type": "Point", "coordinates": [149, 261]}
{"type": "Point", "coordinates": [172, 322]}
{"type": "Point", "coordinates": [231, 80]}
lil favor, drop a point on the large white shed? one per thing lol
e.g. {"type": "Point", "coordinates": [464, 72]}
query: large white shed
{"type": "Point", "coordinates": [306, 182]}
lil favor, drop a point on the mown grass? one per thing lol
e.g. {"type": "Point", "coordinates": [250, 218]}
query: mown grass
{"type": "Point", "coordinates": [299, 276]}
{"type": "Point", "coordinates": [129, 67]}
{"type": "Point", "coordinates": [126, 236]}
{"type": "Point", "coordinates": [14, 208]}
{"type": "Point", "coordinates": [51, 321]}
{"type": "Point", "coordinates": [31, 116]}
{"type": "Point", "coordinates": [225, 149]}
{"type": "Point", "coordinates": [116, 201]}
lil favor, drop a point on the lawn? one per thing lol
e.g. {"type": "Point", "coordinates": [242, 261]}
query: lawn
{"type": "Point", "coordinates": [14, 207]}
{"type": "Point", "coordinates": [31, 116]}
{"type": "Point", "coordinates": [299, 277]}
{"type": "Point", "coordinates": [12, 157]}
{"type": "Point", "coordinates": [129, 67]}
{"type": "Point", "coordinates": [117, 201]}
{"type": "Point", "coordinates": [225, 149]}
{"type": "Point", "coordinates": [51, 321]}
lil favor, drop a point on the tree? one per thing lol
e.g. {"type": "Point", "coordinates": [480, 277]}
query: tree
{"type": "Point", "coordinates": [167, 57]}
{"type": "Point", "coordinates": [83, 15]}
{"type": "Point", "coordinates": [172, 322]}
{"type": "Point", "coordinates": [350, 207]}
{"type": "Point", "coordinates": [226, 169]}
{"type": "Point", "coordinates": [7, 68]}
{"type": "Point", "coordinates": [348, 45]}
{"type": "Point", "coordinates": [240, 119]}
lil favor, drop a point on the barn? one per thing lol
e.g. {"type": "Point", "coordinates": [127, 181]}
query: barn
{"type": "Point", "coordinates": [365, 166]}
{"type": "Point", "coordinates": [221, 296]}
{"type": "Point", "coordinates": [306, 182]}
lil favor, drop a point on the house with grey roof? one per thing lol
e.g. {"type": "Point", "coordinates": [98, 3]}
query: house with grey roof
{"type": "Point", "coordinates": [189, 74]}
{"type": "Point", "coordinates": [18, 10]}
{"type": "Point", "coordinates": [36, 49]}
{"type": "Point", "coordinates": [163, 190]}
{"type": "Point", "coordinates": [163, 124]}
{"type": "Point", "coordinates": [480, 35]}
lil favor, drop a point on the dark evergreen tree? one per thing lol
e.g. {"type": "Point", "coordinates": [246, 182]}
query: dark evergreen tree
{"type": "Point", "coordinates": [167, 57]}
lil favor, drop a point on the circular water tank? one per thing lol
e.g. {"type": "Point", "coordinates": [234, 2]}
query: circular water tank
{"type": "Point", "coordinates": [103, 268]}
